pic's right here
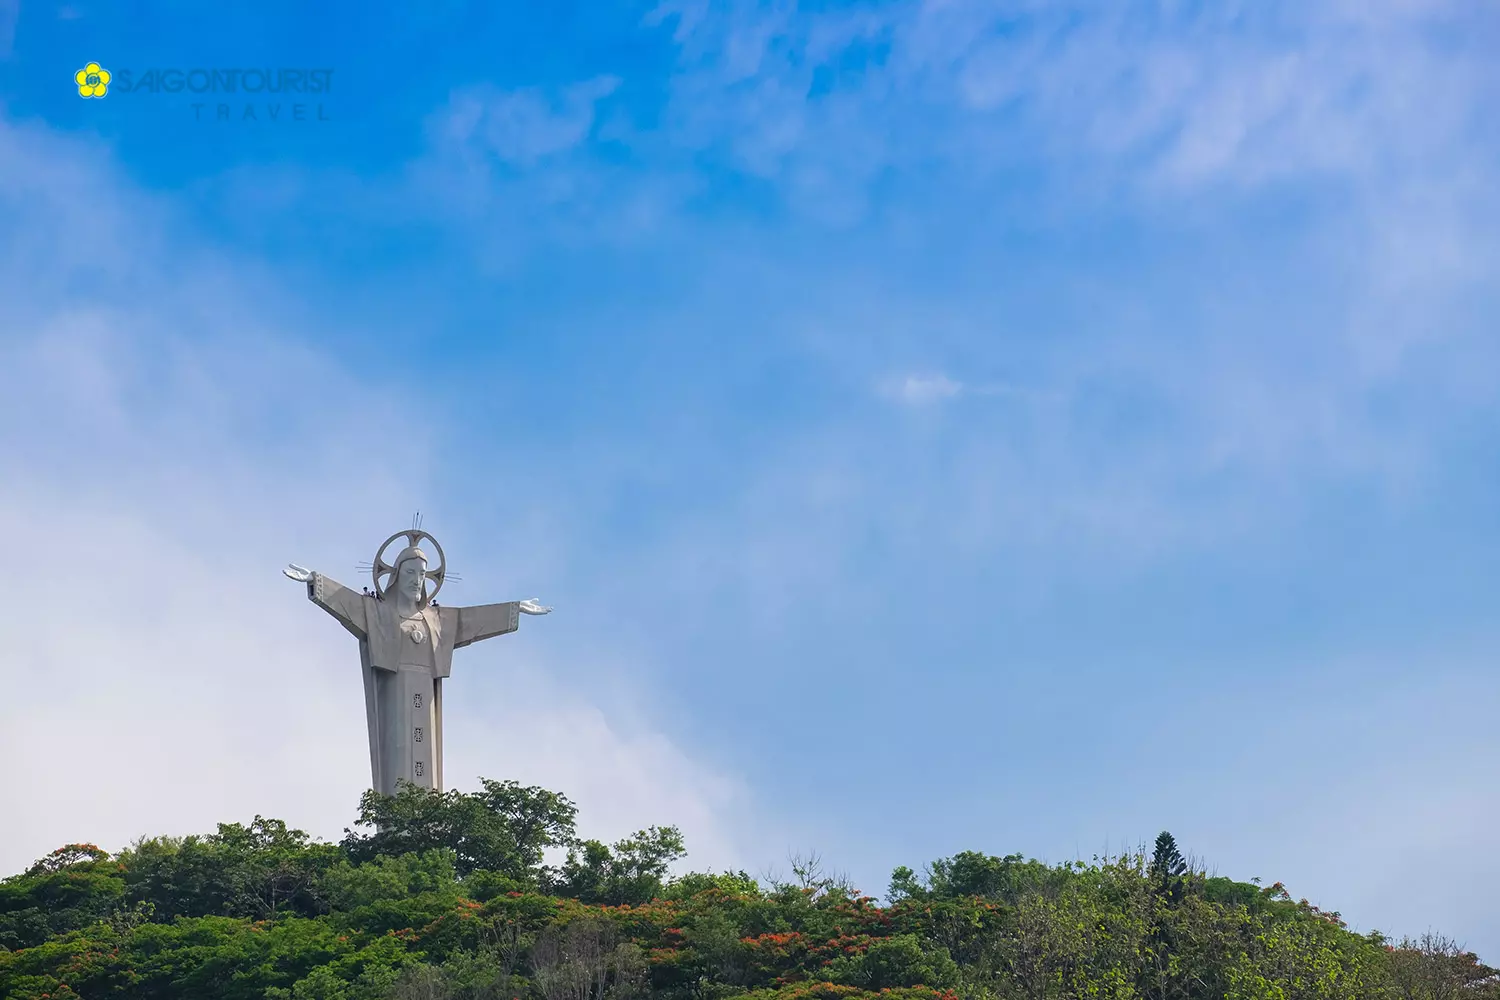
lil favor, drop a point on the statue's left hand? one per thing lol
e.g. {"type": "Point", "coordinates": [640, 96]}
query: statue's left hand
{"type": "Point", "coordinates": [532, 607]}
{"type": "Point", "coordinates": [298, 573]}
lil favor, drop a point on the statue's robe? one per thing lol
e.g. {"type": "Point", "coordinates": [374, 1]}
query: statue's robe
{"type": "Point", "coordinates": [404, 661]}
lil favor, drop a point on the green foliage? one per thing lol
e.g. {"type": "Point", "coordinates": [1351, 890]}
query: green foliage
{"type": "Point", "coordinates": [899, 960]}
{"type": "Point", "coordinates": [632, 872]}
{"type": "Point", "coordinates": [259, 871]}
{"type": "Point", "coordinates": [503, 828]}
{"type": "Point", "coordinates": [728, 883]}
{"type": "Point", "coordinates": [69, 889]}
{"type": "Point", "coordinates": [1167, 861]}
{"type": "Point", "coordinates": [970, 873]}
{"type": "Point", "coordinates": [1228, 892]}
{"type": "Point", "coordinates": [1435, 966]}
{"type": "Point", "coordinates": [446, 897]}
{"type": "Point", "coordinates": [349, 887]}
{"type": "Point", "coordinates": [1168, 868]}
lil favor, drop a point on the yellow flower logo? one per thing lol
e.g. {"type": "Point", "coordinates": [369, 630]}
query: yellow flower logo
{"type": "Point", "coordinates": [92, 80]}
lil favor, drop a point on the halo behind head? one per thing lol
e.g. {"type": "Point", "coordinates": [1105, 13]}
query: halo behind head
{"type": "Point", "coordinates": [384, 573]}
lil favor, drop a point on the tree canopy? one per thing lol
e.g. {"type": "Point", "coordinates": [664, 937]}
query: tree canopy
{"type": "Point", "coordinates": [448, 895]}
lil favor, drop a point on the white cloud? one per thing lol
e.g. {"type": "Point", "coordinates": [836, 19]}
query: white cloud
{"type": "Point", "coordinates": [161, 675]}
{"type": "Point", "coordinates": [599, 750]}
{"type": "Point", "coordinates": [1133, 94]}
{"type": "Point", "coordinates": [920, 390]}
{"type": "Point", "coordinates": [522, 127]}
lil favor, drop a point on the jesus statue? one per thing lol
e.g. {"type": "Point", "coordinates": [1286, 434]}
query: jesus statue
{"type": "Point", "coordinates": [406, 644]}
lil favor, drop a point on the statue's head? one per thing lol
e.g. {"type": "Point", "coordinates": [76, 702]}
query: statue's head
{"type": "Point", "coordinates": [411, 573]}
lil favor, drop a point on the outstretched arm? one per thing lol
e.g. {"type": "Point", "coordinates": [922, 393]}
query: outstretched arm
{"type": "Point", "coordinates": [333, 597]}
{"type": "Point", "coordinates": [485, 620]}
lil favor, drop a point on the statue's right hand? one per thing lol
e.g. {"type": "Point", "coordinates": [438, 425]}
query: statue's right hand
{"type": "Point", "coordinates": [299, 573]}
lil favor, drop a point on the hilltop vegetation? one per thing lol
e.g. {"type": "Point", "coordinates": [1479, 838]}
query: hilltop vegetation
{"type": "Point", "coordinates": [441, 896]}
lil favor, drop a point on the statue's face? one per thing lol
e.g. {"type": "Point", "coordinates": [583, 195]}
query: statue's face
{"type": "Point", "coordinates": [410, 578]}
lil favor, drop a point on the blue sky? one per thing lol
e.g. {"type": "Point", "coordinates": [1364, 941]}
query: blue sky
{"type": "Point", "coordinates": [940, 426]}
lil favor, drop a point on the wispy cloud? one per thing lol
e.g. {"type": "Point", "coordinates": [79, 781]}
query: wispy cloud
{"type": "Point", "coordinates": [1198, 119]}
{"type": "Point", "coordinates": [929, 388]}
{"type": "Point", "coordinates": [522, 127]}
{"type": "Point", "coordinates": [1190, 93]}
{"type": "Point", "coordinates": [919, 390]}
